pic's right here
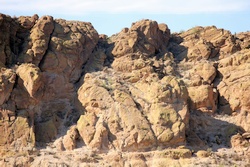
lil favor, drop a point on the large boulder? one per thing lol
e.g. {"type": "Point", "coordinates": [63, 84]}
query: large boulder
{"type": "Point", "coordinates": [244, 39]}
{"type": "Point", "coordinates": [203, 98]}
{"type": "Point", "coordinates": [144, 36]}
{"type": "Point", "coordinates": [32, 79]}
{"type": "Point", "coordinates": [69, 140]}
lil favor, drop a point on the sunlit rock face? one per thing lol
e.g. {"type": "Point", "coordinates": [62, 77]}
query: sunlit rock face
{"type": "Point", "coordinates": [143, 96]}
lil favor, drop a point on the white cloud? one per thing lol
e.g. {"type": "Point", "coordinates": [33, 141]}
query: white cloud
{"type": "Point", "coordinates": [79, 7]}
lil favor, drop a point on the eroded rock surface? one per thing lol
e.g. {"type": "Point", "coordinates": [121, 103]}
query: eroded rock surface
{"type": "Point", "coordinates": [142, 97]}
{"type": "Point", "coordinates": [41, 59]}
{"type": "Point", "coordinates": [132, 116]}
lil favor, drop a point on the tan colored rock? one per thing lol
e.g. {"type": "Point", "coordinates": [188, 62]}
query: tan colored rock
{"type": "Point", "coordinates": [100, 140]}
{"type": "Point", "coordinates": [203, 43]}
{"type": "Point", "coordinates": [234, 85]}
{"type": "Point", "coordinates": [69, 140]}
{"type": "Point", "coordinates": [39, 39]}
{"type": "Point", "coordinates": [202, 98]}
{"type": "Point", "coordinates": [76, 39]}
{"type": "Point", "coordinates": [7, 81]}
{"type": "Point", "coordinates": [59, 144]}
{"type": "Point", "coordinates": [54, 115]}
{"type": "Point", "coordinates": [136, 160]}
{"type": "Point", "coordinates": [102, 98]}
{"type": "Point", "coordinates": [28, 22]}
{"type": "Point", "coordinates": [47, 96]}
{"type": "Point", "coordinates": [132, 117]}
{"type": "Point", "coordinates": [206, 71]}
{"type": "Point", "coordinates": [145, 36]}
{"type": "Point", "coordinates": [115, 159]}
{"type": "Point", "coordinates": [96, 61]}
{"type": "Point", "coordinates": [86, 127]}
{"type": "Point", "coordinates": [239, 141]}
{"type": "Point", "coordinates": [127, 95]}
{"type": "Point", "coordinates": [244, 39]}
{"type": "Point", "coordinates": [71, 44]}
{"type": "Point", "coordinates": [202, 154]}
{"type": "Point", "coordinates": [22, 98]}
{"type": "Point", "coordinates": [16, 131]}
{"type": "Point", "coordinates": [130, 62]}
{"type": "Point", "coordinates": [32, 79]}
{"type": "Point", "coordinates": [242, 119]}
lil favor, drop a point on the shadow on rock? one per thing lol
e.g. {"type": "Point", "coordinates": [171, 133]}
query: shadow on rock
{"type": "Point", "coordinates": [210, 132]}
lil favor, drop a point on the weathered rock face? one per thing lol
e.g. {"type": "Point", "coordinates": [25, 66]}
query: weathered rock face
{"type": "Point", "coordinates": [244, 38]}
{"type": "Point", "coordinates": [203, 98]}
{"type": "Point", "coordinates": [204, 43]}
{"type": "Point", "coordinates": [129, 116]}
{"type": "Point", "coordinates": [132, 106]}
{"type": "Point", "coordinates": [36, 45]}
{"type": "Point", "coordinates": [69, 140]}
{"type": "Point", "coordinates": [213, 64]}
{"type": "Point", "coordinates": [70, 46]}
{"type": "Point", "coordinates": [143, 89]}
{"type": "Point", "coordinates": [145, 36]}
{"type": "Point", "coordinates": [48, 54]}
{"type": "Point", "coordinates": [8, 41]}
{"type": "Point", "coordinates": [7, 81]}
{"type": "Point", "coordinates": [32, 79]}
{"type": "Point", "coordinates": [234, 86]}
{"type": "Point", "coordinates": [16, 131]}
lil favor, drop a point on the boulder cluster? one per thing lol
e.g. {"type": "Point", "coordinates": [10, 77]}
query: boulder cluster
{"type": "Point", "coordinates": [145, 88]}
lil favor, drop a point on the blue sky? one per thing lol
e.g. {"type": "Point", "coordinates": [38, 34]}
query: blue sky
{"type": "Point", "coordinates": [110, 16]}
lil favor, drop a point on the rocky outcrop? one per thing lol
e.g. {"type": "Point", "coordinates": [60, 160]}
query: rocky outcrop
{"type": "Point", "coordinates": [235, 72]}
{"type": "Point", "coordinates": [203, 43]}
{"type": "Point", "coordinates": [213, 64]}
{"type": "Point", "coordinates": [142, 97]}
{"type": "Point", "coordinates": [132, 106]}
{"type": "Point", "coordinates": [129, 116]}
{"type": "Point", "coordinates": [234, 84]}
{"type": "Point", "coordinates": [244, 38]}
{"type": "Point", "coordinates": [37, 44]}
{"type": "Point", "coordinates": [145, 36]}
{"type": "Point", "coordinates": [40, 55]}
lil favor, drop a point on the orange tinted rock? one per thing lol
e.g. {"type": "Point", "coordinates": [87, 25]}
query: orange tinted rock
{"type": "Point", "coordinates": [144, 36]}
{"type": "Point", "coordinates": [123, 116]}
